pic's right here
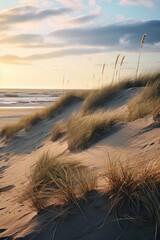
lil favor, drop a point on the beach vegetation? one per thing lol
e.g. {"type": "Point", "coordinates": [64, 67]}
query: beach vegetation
{"type": "Point", "coordinates": [84, 130]}
{"type": "Point", "coordinates": [145, 103]}
{"type": "Point", "coordinates": [51, 111]}
{"type": "Point", "coordinates": [98, 98]}
{"type": "Point", "coordinates": [59, 130]}
{"type": "Point", "coordinates": [133, 189]}
{"type": "Point", "coordinates": [57, 180]}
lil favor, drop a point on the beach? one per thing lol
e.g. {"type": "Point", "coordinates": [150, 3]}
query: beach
{"type": "Point", "coordinates": [89, 144]}
{"type": "Point", "coordinates": [9, 115]}
{"type": "Point", "coordinates": [79, 120]}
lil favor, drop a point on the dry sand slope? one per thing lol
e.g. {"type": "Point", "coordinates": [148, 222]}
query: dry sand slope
{"type": "Point", "coordinates": [139, 139]}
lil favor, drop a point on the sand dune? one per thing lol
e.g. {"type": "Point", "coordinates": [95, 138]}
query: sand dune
{"type": "Point", "coordinates": [12, 115]}
{"type": "Point", "coordinates": [90, 221]}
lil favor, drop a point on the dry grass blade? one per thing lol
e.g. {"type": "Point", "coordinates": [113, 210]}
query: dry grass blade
{"type": "Point", "coordinates": [59, 129]}
{"type": "Point", "coordinates": [103, 68]}
{"type": "Point", "coordinates": [97, 98]}
{"type": "Point", "coordinates": [56, 180]}
{"type": "Point", "coordinates": [82, 130]}
{"type": "Point", "coordinates": [26, 122]}
{"type": "Point", "coordinates": [135, 187]}
{"type": "Point", "coordinates": [145, 103]}
{"type": "Point", "coordinates": [115, 65]}
{"type": "Point", "coordinates": [121, 63]}
{"type": "Point", "coordinates": [141, 45]}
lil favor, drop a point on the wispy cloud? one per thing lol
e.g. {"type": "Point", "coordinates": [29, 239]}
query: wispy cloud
{"type": "Point", "coordinates": [28, 1]}
{"type": "Point", "coordinates": [28, 41]}
{"type": "Point", "coordinates": [75, 4]}
{"type": "Point", "coordinates": [95, 7]}
{"type": "Point", "coordinates": [14, 59]}
{"type": "Point", "coordinates": [29, 13]}
{"type": "Point", "coordinates": [21, 39]}
{"type": "Point", "coordinates": [147, 3]}
{"type": "Point", "coordinates": [84, 19]}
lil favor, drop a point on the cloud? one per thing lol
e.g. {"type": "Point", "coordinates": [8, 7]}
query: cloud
{"type": "Point", "coordinates": [28, 41]}
{"type": "Point", "coordinates": [14, 59]}
{"type": "Point", "coordinates": [28, 1]}
{"type": "Point", "coordinates": [74, 4]}
{"type": "Point", "coordinates": [94, 7]}
{"type": "Point", "coordinates": [84, 19]}
{"type": "Point", "coordinates": [21, 39]}
{"type": "Point", "coordinates": [147, 3]}
{"type": "Point", "coordinates": [112, 36]}
{"type": "Point", "coordinates": [29, 13]}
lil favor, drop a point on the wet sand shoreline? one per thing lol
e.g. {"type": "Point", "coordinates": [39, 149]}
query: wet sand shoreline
{"type": "Point", "coordinates": [13, 114]}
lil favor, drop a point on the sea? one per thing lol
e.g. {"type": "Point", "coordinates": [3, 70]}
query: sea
{"type": "Point", "coordinates": [28, 98]}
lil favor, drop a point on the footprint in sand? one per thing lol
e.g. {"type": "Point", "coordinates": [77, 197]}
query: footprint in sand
{"type": "Point", "coordinates": [144, 146]}
{"type": "Point", "coordinates": [2, 169]}
{"type": "Point", "coordinates": [2, 230]}
{"type": "Point", "coordinates": [2, 208]}
{"type": "Point", "coordinates": [6, 188]}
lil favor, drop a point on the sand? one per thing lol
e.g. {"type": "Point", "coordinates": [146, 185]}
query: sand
{"type": "Point", "coordinates": [137, 139]}
{"type": "Point", "coordinates": [13, 114]}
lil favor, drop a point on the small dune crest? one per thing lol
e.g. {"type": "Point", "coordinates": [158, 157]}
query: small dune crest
{"type": "Point", "coordinates": [86, 167]}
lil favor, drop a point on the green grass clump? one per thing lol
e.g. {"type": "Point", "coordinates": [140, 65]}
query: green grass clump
{"type": "Point", "coordinates": [97, 98]}
{"type": "Point", "coordinates": [82, 130]}
{"type": "Point", "coordinates": [57, 180]}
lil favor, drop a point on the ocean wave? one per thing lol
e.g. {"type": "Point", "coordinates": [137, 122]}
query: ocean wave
{"type": "Point", "coordinates": [26, 99]}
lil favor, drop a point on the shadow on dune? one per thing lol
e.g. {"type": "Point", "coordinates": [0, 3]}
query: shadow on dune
{"type": "Point", "coordinates": [120, 98]}
{"type": "Point", "coordinates": [88, 220]}
{"type": "Point", "coordinates": [106, 136]}
{"type": "Point", "coordinates": [152, 126]}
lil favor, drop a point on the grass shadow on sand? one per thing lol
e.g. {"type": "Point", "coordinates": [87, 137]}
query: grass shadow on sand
{"type": "Point", "coordinates": [69, 223]}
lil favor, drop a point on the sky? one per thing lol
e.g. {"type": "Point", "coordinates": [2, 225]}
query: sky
{"type": "Point", "coordinates": [64, 44]}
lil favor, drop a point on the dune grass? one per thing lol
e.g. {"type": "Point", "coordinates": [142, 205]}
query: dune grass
{"type": "Point", "coordinates": [135, 188]}
{"type": "Point", "coordinates": [59, 129]}
{"type": "Point", "coordinates": [132, 187]}
{"type": "Point", "coordinates": [93, 100]}
{"type": "Point", "coordinates": [145, 103]}
{"type": "Point", "coordinates": [24, 123]}
{"type": "Point", "coordinates": [48, 112]}
{"type": "Point", "coordinates": [85, 127]}
{"type": "Point", "coordinates": [82, 130]}
{"type": "Point", "coordinates": [97, 98]}
{"type": "Point", "coordinates": [57, 180]}
{"type": "Point", "coordinates": [67, 99]}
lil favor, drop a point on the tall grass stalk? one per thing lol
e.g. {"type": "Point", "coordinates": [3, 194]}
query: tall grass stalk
{"type": "Point", "coordinates": [67, 84]}
{"type": "Point", "coordinates": [103, 68]}
{"type": "Point", "coordinates": [121, 63]}
{"type": "Point", "coordinates": [63, 85]}
{"type": "Point", "coordinates": [116, 73]}
{"type": "Point", "coordinates": [115, 65]}
{"type": "Point", "coordinates": [99, 81]}
{"type": "Point", "coordinates": [93, 80]}
{"type": "Point", "coordinates": [140, 50]}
